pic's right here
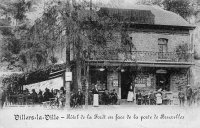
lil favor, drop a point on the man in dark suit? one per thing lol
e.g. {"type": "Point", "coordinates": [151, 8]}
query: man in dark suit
{"type": "Point", "coordinates": [114, 97]}
{"type": "Point", "coordinates": [2, 97]}
{"type": "Point", "coordinates": [105, 97]}
{"type": "Point", "coordinates": [79, 97]}
{"type": "Point", "coordinates": [189, 95]}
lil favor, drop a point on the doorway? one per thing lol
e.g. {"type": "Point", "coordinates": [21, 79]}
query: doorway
{"type": "Point", "coordinates": [163, 81]}
{"type": "Point", "coordinates": [126, 79]}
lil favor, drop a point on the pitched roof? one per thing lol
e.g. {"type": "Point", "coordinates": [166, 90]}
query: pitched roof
{"type": "Point", "coordinates": [161, 16]}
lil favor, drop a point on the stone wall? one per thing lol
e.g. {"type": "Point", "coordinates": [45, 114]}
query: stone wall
{"type": "Point", "coordinates": [179, 78]}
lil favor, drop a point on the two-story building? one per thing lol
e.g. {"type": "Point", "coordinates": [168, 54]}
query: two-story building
{"type": "Point", "coordinates": [159, 56]}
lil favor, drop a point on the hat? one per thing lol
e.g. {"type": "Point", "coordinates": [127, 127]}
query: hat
{"type": "Point", "coordinates": [188, 85]}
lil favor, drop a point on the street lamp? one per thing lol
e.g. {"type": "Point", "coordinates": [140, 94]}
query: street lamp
{"type": "Point", "coordinates": [122, 70]}
{"type": "Point", "coordinates": [102, 69]}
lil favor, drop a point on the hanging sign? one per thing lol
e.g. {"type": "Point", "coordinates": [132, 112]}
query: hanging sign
{"type": "Point", "coordinates": [68, 76]}
{"type": "Point", "coordinates": [161, 71]}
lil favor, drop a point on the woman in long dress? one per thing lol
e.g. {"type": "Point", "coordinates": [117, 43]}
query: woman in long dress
{"type": "Point", "coordinates": [159, 97]}
{"type": "Point", "coordinates": [130, 94]}
{"type": "Point", "coordinates": [95, 92]}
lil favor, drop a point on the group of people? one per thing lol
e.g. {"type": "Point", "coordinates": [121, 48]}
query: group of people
{"type": "Point", "coordinates": [47, 95]}
{"type": "Point", "coordinates": [77, 99]}
{"type": "Point", "coordinates": [106, 97]}
{"type": "Point", "coordinates": [149, 98]}
{"type": "Point", "coordinates": [192, 96]}
{"type": "Point", "coordinates": [144, 97]}
{"type": "Point", "coordinates": [109, 97]}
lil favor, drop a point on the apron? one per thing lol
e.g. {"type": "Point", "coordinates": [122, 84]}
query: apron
{"type": "Point", "coordinates": [130, 96]}
{"type": "Point", "coordinates": [158, 99]}
{"type": "Point", "coordinates": [96, 100]}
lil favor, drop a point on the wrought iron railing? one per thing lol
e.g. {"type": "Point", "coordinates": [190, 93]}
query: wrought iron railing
{"type": "Point", "coordinates": [140, 56]}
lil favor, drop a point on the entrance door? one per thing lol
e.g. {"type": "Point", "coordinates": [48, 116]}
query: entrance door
{"type": "Point", "coordinates": [162, 82]}
{"type": "Point", "coordinates": [126, 79]}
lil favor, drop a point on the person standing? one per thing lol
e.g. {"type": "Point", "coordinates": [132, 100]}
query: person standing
{"type": "Point", "coordinates": [105, 97]}
{"type": "Point", "coordinates": [79, 96]}
{"type": "Point", "coordinates": [181, 97]}
{"type": "Point", "coordinates": [198, 97]}
{"type": "Point", "coordinates": [152, 98]}
{"type": "Point", "coordinates": [34, 96]}
{"type": "Point", "coordinates": [159, 97]}
{"type": "Point", "coordinates": [114, 97]}
{"type": "Point", "coordinates": [139, 98]}
{"type": "Point", "coordinates": [189, 95]}
{"type": "Point", "coordinates": [60, 98]}
{"type": "Point", "coordinates": [2, 97]}
{"type": "Point", "coordinates": [95, 92]}
{"type": "Point", "coordinates": [40, 96]}
{"type": "Point", "coordinates": [130, 94]}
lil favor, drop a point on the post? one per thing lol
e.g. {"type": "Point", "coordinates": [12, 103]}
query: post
{"type": "Point", "coordinates": [86, 86]}
{"type": "Point", "coordinates": [67, 83]}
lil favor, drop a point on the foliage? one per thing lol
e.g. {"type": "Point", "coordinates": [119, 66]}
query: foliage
{"type": "Point", "coordinates": [148, 2]}
{"type": "Point", "coordinates": [17, 8]}
{"type": "Point", "coordinates": [11, 47]}
{"type": "Point", "coordinates": [182, 7]}
{"type": "Point", "coordinates": [182, 51]}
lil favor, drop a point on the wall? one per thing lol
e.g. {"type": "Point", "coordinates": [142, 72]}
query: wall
{"type": "Point", "coordinates": [144, 41]}
{"type": "Point", "coordinates": [148, 41]}
{"type": "Point", "coordinates": [178, 78]}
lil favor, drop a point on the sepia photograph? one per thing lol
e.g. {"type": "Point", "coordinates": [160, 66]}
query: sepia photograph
{"type": "Point", "coordinates": [99, 63]}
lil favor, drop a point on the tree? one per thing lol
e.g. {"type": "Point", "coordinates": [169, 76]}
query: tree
{"type": "Point", "coordinates": [182, 7]}
{"type": "Point", "coordinates": [63, 25]}
{"type": "Point", "coordinates": [150, 2]}
{"type": "Point", "coordinates": [10, 46]}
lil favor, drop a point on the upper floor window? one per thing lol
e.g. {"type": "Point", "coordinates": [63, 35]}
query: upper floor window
{"type": "Point", "coordinates": [162, 45]}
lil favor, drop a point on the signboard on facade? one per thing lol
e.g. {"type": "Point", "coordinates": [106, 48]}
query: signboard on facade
{"type": "Point", "coordinates": [68, 76]}
{"type": "Point", "coordinates": [140, 85]}
{"type": "Point", "coordinates": [115, 83]}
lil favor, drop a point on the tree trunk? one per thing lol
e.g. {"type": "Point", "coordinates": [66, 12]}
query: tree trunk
{"type": "Point", "coordinates": [78, 74]}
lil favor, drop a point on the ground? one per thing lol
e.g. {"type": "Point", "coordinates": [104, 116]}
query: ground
{"type": "Point", "coordinates": [115, 116]}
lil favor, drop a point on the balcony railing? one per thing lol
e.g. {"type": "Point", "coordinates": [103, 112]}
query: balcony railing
{"type": "Point", "coordinates": [146, 56]}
